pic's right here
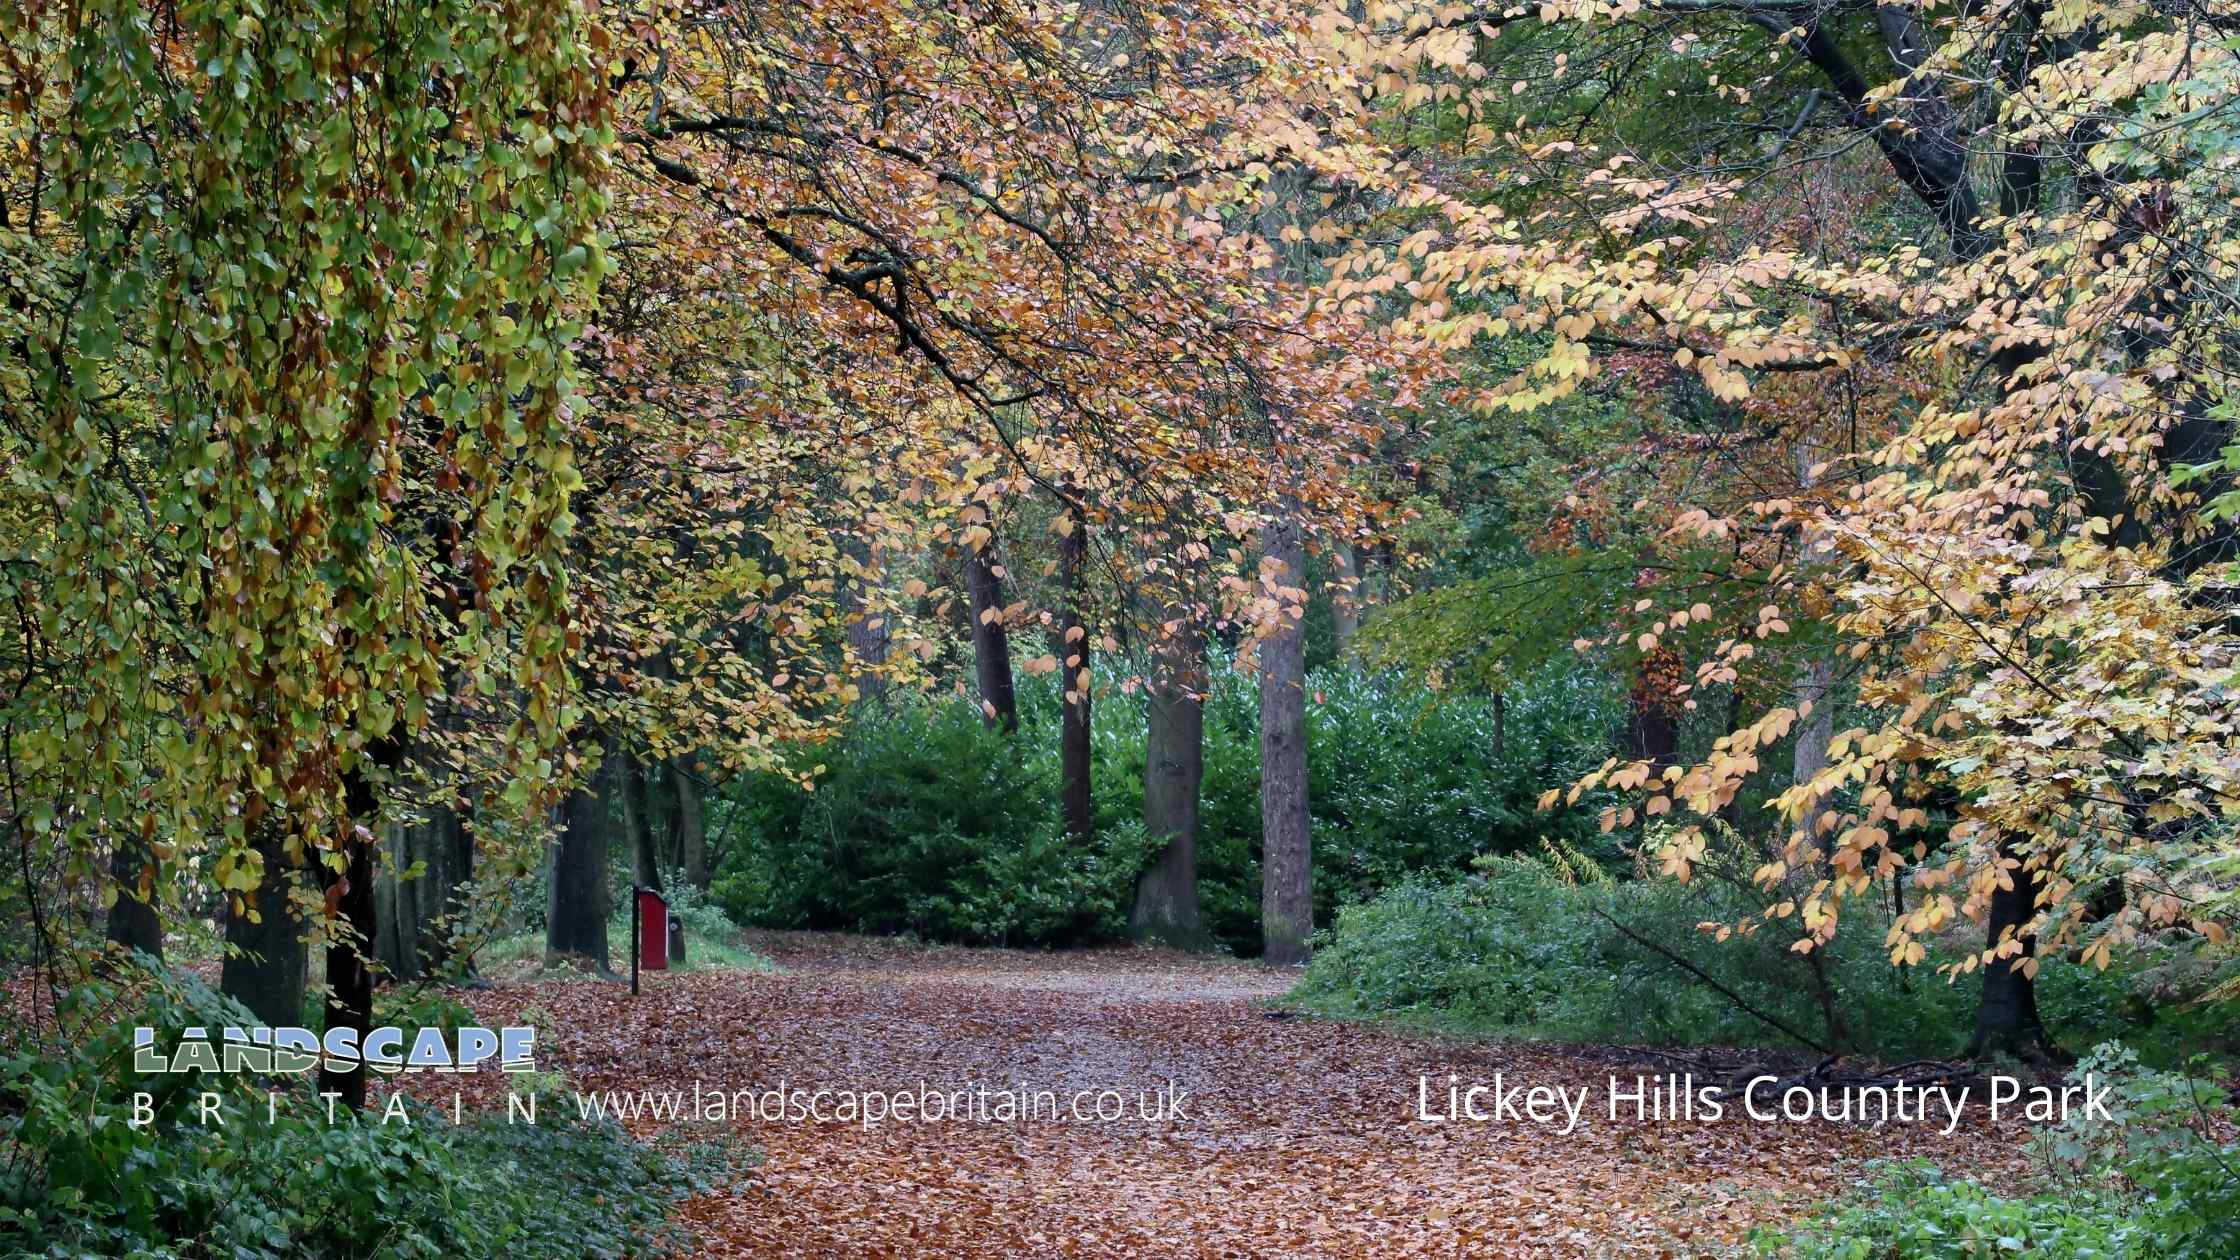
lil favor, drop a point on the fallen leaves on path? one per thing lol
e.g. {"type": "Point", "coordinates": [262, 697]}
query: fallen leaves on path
{"type": "Point", "coordinates": [1301, 1136]}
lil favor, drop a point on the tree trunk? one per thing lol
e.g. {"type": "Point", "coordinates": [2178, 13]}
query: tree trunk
{"type": "Point", "coordinates": [1073, 656]}
{"type": "Point", "coordinates": [397, 903]}
{"type": "Point", "coordinates": [869, 636]}
{"type": "Point", "coordinates": [692, 827]}
{"type": "Point", "coordinates": [1652, 734]}
{"type": "Point", "coordinates": [1813, 737]}
{"type": "Point", "coordinates": [991, 643]}
{"type": "Point", "coordinates": [637, 822]}
{"type": "Point", "coordinates": [575, 926]}
{"type": "Point", "coordinates": [1166, 908]}
{"type": "Point", "coordinates": [1345, 601]}
{"type": "Point", "coordinates": [1500, 727]}
{"type": "Point", "coordinates": [133, 922]}
{"type": "Point", "coordinates": [264, 965]}
{"type": "Point", "coordinates": [1286, 870]}
{"type": "Point", "coordinates": [2007, 1019]}
{"type": "Point", "coordinates": [351, 895]}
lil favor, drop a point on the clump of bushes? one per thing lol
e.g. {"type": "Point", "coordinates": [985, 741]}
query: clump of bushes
{"type": "Point", "coordinates": [75, 1180]}
{"type": "Point", "coordinates": [926, 821]}
{"type": "Point", "coordinates": [2153, 1181]}
{"type": "Point", "coordinates": [1554, 947]}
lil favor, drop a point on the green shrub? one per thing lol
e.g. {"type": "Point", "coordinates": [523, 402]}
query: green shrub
{"type": "Point", "coordinates": [926, 821]}
{"type": "Point", "coordinates": [1912, 1211]}
{"type": "Point", "coordinates": [2145, 1183]}
{"type": "Point", "coordinates": [76, 1181]}
{"type": "Point", "coordinates": [1527, 949]}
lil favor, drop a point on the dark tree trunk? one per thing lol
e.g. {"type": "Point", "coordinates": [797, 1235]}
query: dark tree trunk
{"type": "Point", "coordinates": [1652, 733]}
{"type": "Point", "coordinates": [869, 636]}
{"type": "Point", "coordinates": [1073, 658]}
{"type": "Point", "coordinates": [350, 950]}
{"type": "Point", "coordinates": [1286, 859]}
{"type": "Point", "coordinates": [420, 917]}
{"type": "Point", "coordinates": [397, 903]}
{"type": "Point", "coordinates": [575, 926]}
{"type": "Point", "coordinates": [991, 643]}
{"type": "Point", "coordinates": [2007, 1019]}
{"type": "Point", "coordinates": [692, 827]}
{"type": "Point", "coordinates": [133, 921]}
{"type": "Point", "coordinates": [1166, 908]}
{"type": "Point", "coordinates": [637, 822]}
{"type": "Point", "coordinates": [264, 966]}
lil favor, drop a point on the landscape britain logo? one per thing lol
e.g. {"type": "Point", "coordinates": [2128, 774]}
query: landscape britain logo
{"type": "Point", "coordinates": [292, 1051]}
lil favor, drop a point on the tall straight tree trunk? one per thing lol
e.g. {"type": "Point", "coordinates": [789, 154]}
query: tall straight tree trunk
{"type": "Point", "coordinates": [1286, 851]}
{"type": "Point", "coordinates": [1345, 601]}
{"type": "Point", "coordinates": [1073, 655]}
{"type": "Point", "coordinates": [637, 823]}
{"type": "Point", "coordinates": [397, 902]}
{"type": "Point", "coordinates": [133, 922]}
{"type": "Point", "coordinates": [420, 917]}
{"type": "Point", "coordinates": [869, 636]}
{"type": "Point", "coordinates": [1817, 717]}
{"type": "Point", "coordinates": [266, 957]}
{"type": "Point", "coordinates": [1813, 738]}
{"type": "Point", "coordinates": [991, 642]}
{"type": "Point", "coordinates": [2007, 1020]}
{"type": "Point", "coordinates": [575, 926]}
{"type": "Point", "coordinates": [1166, 907]}
{"type": "Point", "coordinates": [692, 827]}
{"type": "Point", "coordinates": [351, 894]}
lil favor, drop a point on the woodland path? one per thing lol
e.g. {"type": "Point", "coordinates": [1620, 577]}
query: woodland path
{"type": "Point", "coordinates": [1301, 1138]}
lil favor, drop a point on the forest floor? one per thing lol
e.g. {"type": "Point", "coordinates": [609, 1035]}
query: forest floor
{"type": "Point", "coordinates": [1300, 1137]}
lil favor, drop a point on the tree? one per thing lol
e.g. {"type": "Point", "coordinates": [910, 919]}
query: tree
{"type": "Point", "coordinates": [1071, 648]}
{"type": "Point", "coordinates": [577, 904]}
{"type": "Point", "coordinates": [1166, 904]}
{"type": "Point", "coordinates": [2019, 508]}
{"type": "Point", "coordinates": [1286, 854]}
{"type": "Point", "coordinates": [312, 322]}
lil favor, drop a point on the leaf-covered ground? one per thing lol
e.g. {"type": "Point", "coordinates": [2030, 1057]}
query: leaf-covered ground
{"type": "Point", "coordinates": [1301, 1138]}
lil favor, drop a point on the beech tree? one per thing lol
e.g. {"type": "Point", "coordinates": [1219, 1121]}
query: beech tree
{"type": "Point", "coordinates": [316, 281]}
{"type": "Point", "coordinates": [1982, 551]}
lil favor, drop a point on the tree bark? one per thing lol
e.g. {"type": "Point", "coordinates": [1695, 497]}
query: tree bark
{"type": "Point", "coordinates": [1166, 906]}
{"type": "Point", "coordinates": [1286, 870]}
{"type": "Point", "coordinates": [2007, 1020]}
{"type": "Point", "coordinates": [575, 927]}
{"type": "Point", "coordinates": [133, 922]}
{"type": "Point", "coordinates": [1073, 657]}
{"type": "Point", "coordinates": [692, 827]}
{"type": "Point", "coordinates": [397, 903]}
{"type": "Point", "coordinates": [637, 822]}
{"type": "Point", "coordinates": [1813, 737]}
{"type": "Point", "coordinates": [869, 636]}
{"type": "Point", "coordinates": [351, 894]}
{"type": "Point", "coordinates": [991, 643]}
{"type": "Point", "coordinates": [1652, 734]}
{"type": "Point", "coordinates": [264, 966]}
{"type": "Point", "coordinates": [1345, 601]}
